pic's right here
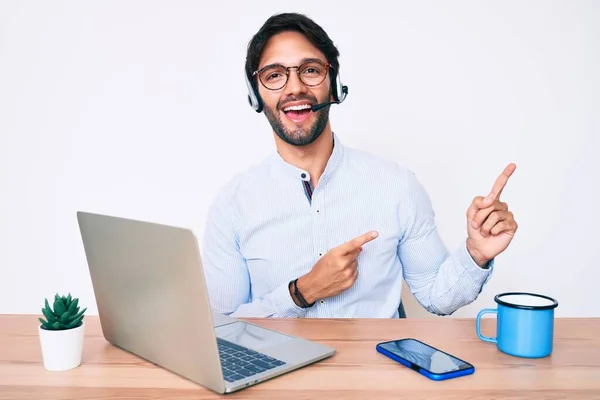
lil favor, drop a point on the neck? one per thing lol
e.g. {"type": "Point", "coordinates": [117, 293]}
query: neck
{"type": "Point", "coordinates": [311, 158]}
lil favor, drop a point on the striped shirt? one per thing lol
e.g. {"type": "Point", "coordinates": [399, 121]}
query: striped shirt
{"type": "Point", "coordinates": [267, 226]}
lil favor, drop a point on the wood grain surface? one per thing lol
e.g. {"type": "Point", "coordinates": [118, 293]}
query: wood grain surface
{"type": "Point", "coordinates": [357, 371]}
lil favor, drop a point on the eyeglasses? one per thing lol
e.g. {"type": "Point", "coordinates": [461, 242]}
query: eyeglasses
{"type": "Point", "coordinates": [311, 73]}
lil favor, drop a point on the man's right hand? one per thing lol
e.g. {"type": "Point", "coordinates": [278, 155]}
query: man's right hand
{"type": "Point", "coordinates": [335, 272]}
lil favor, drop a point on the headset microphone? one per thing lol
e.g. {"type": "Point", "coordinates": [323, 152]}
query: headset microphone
{"type": "Point", "coordinates": [340, 94]}
{"type": "Point", "coordinates": [317, 107]}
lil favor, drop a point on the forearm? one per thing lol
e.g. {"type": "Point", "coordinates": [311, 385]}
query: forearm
{"type": "Point", "coordinates": [456, 283]}
{"type": "Point", "coordinates": [277, 304]}
{"type": "Point", "coordinates": [226, 271]}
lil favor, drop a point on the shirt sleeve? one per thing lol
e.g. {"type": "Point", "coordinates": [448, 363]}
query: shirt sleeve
{"type": "Point", "coordinates": [442, 282]}
{"type": "Point", "coordinates": [226, 271]}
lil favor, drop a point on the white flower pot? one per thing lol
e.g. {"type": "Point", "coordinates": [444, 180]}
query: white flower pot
{"type": "Point", "coordinates": [61, 350]}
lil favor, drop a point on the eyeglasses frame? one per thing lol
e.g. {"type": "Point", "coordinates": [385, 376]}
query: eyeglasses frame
{"type": "Point", "coordinates": [327, 65]}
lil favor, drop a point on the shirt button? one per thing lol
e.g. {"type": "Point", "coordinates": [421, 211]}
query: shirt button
{"type": "Point", "coordinates": [322, 301]}
{"type": "Point", "coordinates": [303, 175]}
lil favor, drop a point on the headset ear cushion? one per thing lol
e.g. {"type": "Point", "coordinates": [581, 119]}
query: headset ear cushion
{"type": "Point", "coordinates": [259, 104]}
{"type": "Point", "coordinates": [340, 90]}
{"type": "Point", "coordinates": [335, 87]}
{"type": "Point", "coordinates": [253, 96]}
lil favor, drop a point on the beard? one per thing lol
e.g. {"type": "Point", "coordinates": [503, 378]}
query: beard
{"type": "Point", "coordinates": [300, 135]}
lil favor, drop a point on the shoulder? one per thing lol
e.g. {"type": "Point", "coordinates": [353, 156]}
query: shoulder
{"type": "Point", "coordinates": [232, 192]}
{"type": "Point", "coordinates": [397, 180]}
{"type": "Point", "coordinates": [380, 169]}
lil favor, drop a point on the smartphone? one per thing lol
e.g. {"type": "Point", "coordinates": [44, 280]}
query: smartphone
{"type": "Point", "coordinates": [425, 359]}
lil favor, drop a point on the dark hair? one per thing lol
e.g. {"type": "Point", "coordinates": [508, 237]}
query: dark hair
{"type": "Point", "coordinates": [290, 22]}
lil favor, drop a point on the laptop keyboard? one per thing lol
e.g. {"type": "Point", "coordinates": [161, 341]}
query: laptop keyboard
{"type": "Point", "coordinates": [239, 362]}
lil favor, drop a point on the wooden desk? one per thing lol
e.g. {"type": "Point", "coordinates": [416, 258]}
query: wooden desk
{"type": "Point", "coordinates": [357, 371]}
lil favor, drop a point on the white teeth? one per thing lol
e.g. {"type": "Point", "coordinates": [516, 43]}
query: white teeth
{"type": "Point", "coordinates": [297, 108]}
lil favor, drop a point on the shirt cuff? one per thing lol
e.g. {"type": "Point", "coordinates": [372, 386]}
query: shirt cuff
{"type": "Point", "coordinates": [478, 274]}
{"type": "Point", "coordinates": [286, 308]}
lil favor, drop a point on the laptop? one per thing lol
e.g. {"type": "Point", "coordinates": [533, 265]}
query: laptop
{"type": "Point", "coordinates": [152, 301]}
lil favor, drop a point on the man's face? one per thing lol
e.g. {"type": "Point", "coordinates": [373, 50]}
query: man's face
{"type": "Point", "coordinates": [297, 125]}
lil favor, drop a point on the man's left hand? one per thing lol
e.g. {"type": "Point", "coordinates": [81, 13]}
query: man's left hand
{"type": "Point", "coordinates": [490, 225]}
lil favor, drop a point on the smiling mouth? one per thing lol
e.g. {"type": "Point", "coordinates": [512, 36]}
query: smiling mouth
{"type": "Point", "coordinates": [297, 113]}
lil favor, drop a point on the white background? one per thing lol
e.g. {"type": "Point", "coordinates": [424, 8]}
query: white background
{"type": "Point", "coordinates": [139, 109]}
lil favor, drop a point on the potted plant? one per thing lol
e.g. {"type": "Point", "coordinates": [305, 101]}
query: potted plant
{"type": "Point", "coordinates": [61, 333]}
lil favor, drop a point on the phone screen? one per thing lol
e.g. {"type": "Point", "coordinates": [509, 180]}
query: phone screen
{"type": "Point", "coordinates": [425, 356]}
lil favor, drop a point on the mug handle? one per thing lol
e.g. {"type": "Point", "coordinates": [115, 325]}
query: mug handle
{"type": "Point", "coordinates": [478, 321]}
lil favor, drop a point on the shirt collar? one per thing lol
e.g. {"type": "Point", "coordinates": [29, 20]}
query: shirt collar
{"type": "Point", "coordinates": [292, 171]}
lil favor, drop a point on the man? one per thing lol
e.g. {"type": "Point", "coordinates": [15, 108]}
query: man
{"type": "Point", "coordinates": [324, 231]}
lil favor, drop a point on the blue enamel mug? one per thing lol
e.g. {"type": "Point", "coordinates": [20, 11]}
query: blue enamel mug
{"type": "Point", "coordinates": [524, 325]}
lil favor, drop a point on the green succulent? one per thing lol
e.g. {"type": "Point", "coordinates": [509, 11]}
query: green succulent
{"type": "Point", "coordinates": [65, 315]}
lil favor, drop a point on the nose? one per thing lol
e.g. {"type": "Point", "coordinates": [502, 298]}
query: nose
{"type": "Point", "coordinates": [294, 85]}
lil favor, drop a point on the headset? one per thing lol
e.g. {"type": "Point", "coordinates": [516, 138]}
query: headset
{"type": "Point", "coordinates": [339, 90]}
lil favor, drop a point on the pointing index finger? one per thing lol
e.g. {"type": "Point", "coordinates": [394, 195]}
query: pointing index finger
{"type": "Point", "coordinates": [501, 182]}
{"type": "Point", "coordinates": [357, 242]}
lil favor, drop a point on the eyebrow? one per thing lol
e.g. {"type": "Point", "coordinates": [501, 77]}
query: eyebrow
{"type": "Point", "coordinates": [304, 60]}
